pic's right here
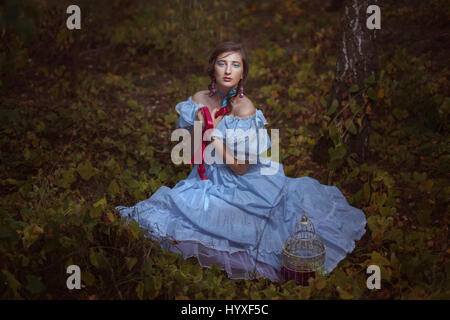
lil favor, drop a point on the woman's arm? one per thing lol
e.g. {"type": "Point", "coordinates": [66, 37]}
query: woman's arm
{"type": "Point", "coordinates": [237, 168]}
{"type": "Point", "coordinates": [246, 110]}
{"type": "Point", "coordinates": [198, 117]}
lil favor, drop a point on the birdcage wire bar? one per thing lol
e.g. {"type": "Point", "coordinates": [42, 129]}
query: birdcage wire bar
{"type": "Point", "coordinates": [303, 253]}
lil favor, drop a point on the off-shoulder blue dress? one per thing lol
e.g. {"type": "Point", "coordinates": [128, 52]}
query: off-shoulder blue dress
{"type": "Point", "coordinates": [241, 222]}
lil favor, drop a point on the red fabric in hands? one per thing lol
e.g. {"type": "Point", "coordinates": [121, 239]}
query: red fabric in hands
{"type": "Point", "coordinates": [209, 124]}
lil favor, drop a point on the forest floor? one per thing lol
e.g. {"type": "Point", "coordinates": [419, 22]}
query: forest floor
{"type": "Point", "coordinates": [86, 122]}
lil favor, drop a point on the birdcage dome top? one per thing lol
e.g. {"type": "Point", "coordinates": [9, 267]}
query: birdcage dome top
{"type": "Point", "coordinates": [304, 250]}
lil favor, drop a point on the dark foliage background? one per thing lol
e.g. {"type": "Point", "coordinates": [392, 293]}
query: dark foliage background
{"type": "Point", "coordinates": [86, 118]}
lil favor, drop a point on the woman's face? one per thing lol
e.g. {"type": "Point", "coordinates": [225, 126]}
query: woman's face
{"type": "Point", "coordinates": [228, 70]}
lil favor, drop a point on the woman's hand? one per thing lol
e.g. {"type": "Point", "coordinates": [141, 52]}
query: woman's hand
{"type": "Point", "coordinates": [217, 120]}
{"type": "Point", "coordinates": [199, 117]}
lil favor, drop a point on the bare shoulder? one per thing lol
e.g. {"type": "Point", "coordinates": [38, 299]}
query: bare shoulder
{"type": "Point", "coordinates": [200, 97]}
{"type": "Point", "coordinates": [245, 108]}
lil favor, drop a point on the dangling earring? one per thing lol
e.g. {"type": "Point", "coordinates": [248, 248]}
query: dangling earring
{"type": "Point", "coordinates": [241, 91]}
{"type": "Point", "coordinates": [212, 92]}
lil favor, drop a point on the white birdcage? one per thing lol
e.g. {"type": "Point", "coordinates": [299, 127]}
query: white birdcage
{"type": "Point", "coordinates": [303, 253]}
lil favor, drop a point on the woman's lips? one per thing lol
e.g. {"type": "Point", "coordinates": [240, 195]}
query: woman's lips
{"type": "Point", "coordinates": [227, 79]}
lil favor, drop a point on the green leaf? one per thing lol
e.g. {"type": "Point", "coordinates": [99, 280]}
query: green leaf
{"type": "Point", "coordinates": [101, 114]}
{"type": "Point", "coordinates": [353, 174]}
{"type": "Point", "coordinates": [68, 177]}
{"type": "Point", "coordinates": [350, 126]}
{"type": "Point", "coordinates": [140, 290]}
{"type": "Point", "coordinates": [31, 234]}
{"type": "Point", "coordinates": [395, 235]}
{"type": "Point", "coordinates": [333, 133]}
{"type": "Point", "coordinates": [133, 104]}
{"type": "Point", "coordinates": [86, 170]}
{"type": "Point", "coordinates": [344, 294]}
{"type": "Point", "coordinates": [88, 277]}
{"type": "Point", "coordinates": [387, 211]}
{"type": "Point", "coordinates": [366, 191]}
{"type": "Point", "coordinates": [109, 217]}
{"type": "Point", "coordinates": [113, 188]}
{"type": "Point", "coordinates": [130, 262]}
{"type": "Point", "coordinates": [269, 293]}
{"type": "Point", "coordinates": [66, 242]}
{"type": "Point", "coordinates": [35, 285]}
{"type": "Point", "coordinates": [354, 107]}
{"type": "Point", "coordinates": [320, 283]}
{"type": "Point", "coordinates": [13, 181]}
{"type": "Point", "coordinates": [372, 223]}
{"type": "Point", "coordinates": [293, 92]}
{"type": "Point", "coordinates": [199, 296]}
{"type": "Point", "coordinates": [372, 94]}
{"type": "Point", "coordinates": [371, 79]}
{"type": "Point", "coordinates": [377, 259]}
{"type": "Point", "coordinates": [100, 203]}
{"type": "Point", "coordinates": [162, 176]}
{"type": "Point", "coordinates": [333, 107]}
{"type": "Point", "coordinates": [26, 28]}
{"type": "Point", "coordinates": [135, 229]}
{"type": "Point", "coordinates": [95, 212]}
{"type": "Point", "coordinates": [152, 286]}
{"type": "Point", "coordinates": [419, 177]}
{"type": "Point", "coordinates": [394, 85]}
{"type": "Point", "coordinates": [180, 277]}
{"type": "Point", "coordinates": [6, 233]}
{"type": "Point", "coordinates": [93, 258]}
{"type": "Point", "coordinates": [354, 88]}
{"type": "Point", "coordinates": [398, 113]}
{"type": "Point", "coordinates": [11, 281]}
{"type": "Point", "coordinates": [254, 295]}
{"type": "Point", "coordinates": [338, 152]}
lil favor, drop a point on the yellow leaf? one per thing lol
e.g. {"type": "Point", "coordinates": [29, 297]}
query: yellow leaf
{"type": "Point", "coordinates": [113, 188]}
{"type": "Point", "coordinates": [130, 262]}
{"type": "Point", "coordinates": [109, 218]}
{"type": "Point", "coordinates": [380, 93]}
{"type": "Point", "coordinates": [320, 283]}
{"type": "Point", "coordinates": [33, 230]}
{"type": "Point", "coordinates": [378, 259]}
{"type": "Point", "coordinates": [31, 234]}
{"type": "Point", "coordinates": [344, 294]}
{"type": "Point", "coordinates": [88, 278]}
{"type": "Point", "coordinates": [101, 202]}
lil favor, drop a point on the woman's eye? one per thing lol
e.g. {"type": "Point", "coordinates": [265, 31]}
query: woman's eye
{"type": "Point", "coordinates": [237, 65]}
{"type": "Point", "coordinates": [221, 63]}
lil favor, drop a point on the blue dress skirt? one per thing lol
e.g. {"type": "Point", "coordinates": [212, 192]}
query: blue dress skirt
{"type": "Point", "coordinates": [241, 222]}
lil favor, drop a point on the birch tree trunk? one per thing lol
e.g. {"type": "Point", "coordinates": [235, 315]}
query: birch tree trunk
{"type": "Point", "coordinates": [356, 60]}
